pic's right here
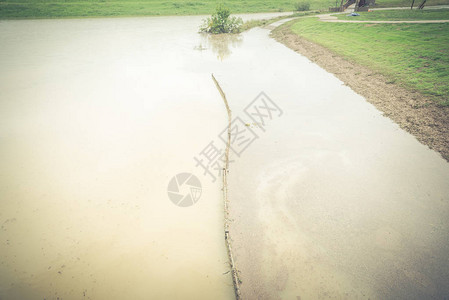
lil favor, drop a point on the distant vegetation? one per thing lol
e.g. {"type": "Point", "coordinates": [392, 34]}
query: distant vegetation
{"type": "Point", "coordinates": [302, 6]}
{"type": "Point", "coordinates": [94, 8]}
{"type": "Point", "coordinates": [222, 22]}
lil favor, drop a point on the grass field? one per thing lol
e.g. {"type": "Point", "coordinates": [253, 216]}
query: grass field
{"type": "Point", "coordinates": [415, 56]}
{"type": "Point", "coordinates": [74, 8]}
{"type": "Point", "coordinates": [407, 3]}
{"type": "Point", "coordinates": [406, 14]}
{"type": "Point", "coordinates": [13, 9]}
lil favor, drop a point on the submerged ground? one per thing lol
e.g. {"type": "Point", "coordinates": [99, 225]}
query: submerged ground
{"type": "Point", "coordinates": [328, 199]}
{"type": "Point", "coordinates": [95, 122]}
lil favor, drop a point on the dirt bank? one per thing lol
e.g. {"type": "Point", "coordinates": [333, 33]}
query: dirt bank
{"type": "Point", "coordinates": [412, 111]}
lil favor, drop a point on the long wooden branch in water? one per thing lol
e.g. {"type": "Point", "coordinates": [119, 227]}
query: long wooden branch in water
{"type": "Point", "coordinates": [234, 271]}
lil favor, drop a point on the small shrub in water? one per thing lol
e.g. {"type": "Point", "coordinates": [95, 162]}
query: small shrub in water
{"type": "Point", "coordinates": [221, 22]}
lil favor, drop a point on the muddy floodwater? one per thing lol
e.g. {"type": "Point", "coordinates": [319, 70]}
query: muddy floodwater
{"type": "Point", "coordinates": [329, 199]}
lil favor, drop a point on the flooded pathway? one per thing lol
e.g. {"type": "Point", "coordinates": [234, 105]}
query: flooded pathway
{"type": "Point", "coordinates": [97, 116]}
{"type": "Point", "coordinates": [332, 200]}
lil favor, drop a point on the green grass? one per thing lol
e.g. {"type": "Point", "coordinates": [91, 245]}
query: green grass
{"type": "Point", "coordinates": [16, 9]}
{"type": "Point", "coordinates": [11, 9]}
{"type": "Point", "coordinates": [397, 15]}
{"type": "Point", "coordinates": [415, 56]}
{"type": "Point", "coordinates": [407, 3]}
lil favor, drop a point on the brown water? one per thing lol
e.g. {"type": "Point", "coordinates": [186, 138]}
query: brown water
{"type": "Point", "coordinates": [97, 115]}
{"type": "Point", "coordinates": [333, 200]}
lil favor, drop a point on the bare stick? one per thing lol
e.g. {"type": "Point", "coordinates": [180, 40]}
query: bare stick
{"type": "Point", "coordinates": [234, 271]}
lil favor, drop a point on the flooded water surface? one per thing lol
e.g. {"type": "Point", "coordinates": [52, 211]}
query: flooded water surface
{"type": "Point", "coordinates": [96, 117]}
{"type": "Point", "coordinates": [330, 199]}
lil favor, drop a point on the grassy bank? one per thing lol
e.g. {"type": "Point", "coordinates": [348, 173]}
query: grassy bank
{"type": "Point", "coordinates": [72, 8]}
{"type": "Point", "coordinates": [397, 15]}
{"type": "Point", "coordinates": [13, 9]}
{"type": "Point", "coordinates": [415, 56]}
{"type": "Point", "coordinates": [407, 3]}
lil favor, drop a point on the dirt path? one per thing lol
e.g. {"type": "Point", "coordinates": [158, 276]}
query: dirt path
{"type": "Point", "coordinates": [413, 112]}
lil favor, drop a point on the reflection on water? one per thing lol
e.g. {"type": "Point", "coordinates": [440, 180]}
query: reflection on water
{"type": "Point", "coordinates": [220, 44]}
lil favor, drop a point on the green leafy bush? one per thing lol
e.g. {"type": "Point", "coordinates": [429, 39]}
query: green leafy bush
{"type": "Point", "coordinates": [302, 6]}
{"type": "Point", "coordinates": [221, 22]}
